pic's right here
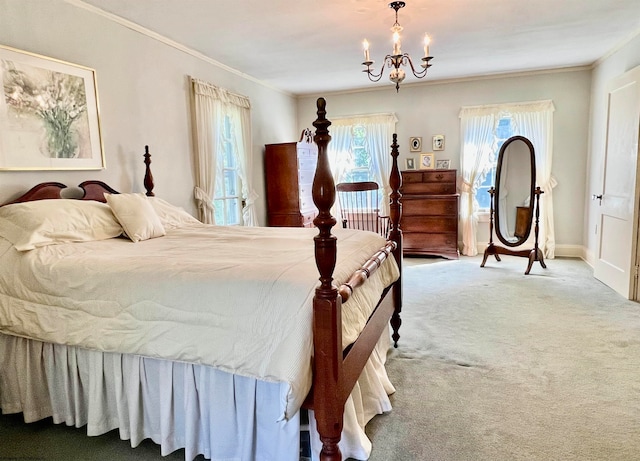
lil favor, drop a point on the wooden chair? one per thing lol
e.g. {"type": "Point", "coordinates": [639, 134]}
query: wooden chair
{"type": "Point", "coordinates": [359, 207]}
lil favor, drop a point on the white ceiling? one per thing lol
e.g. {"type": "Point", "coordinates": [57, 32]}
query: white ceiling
{"type": "Point", "coordinates": [311, 46]}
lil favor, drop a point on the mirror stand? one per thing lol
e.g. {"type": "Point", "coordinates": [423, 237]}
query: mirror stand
{"type": "Point", "coordinates": [534, 255]}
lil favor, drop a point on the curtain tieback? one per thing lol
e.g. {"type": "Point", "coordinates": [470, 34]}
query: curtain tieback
{"type": "Point", "coordinates": [204, 201]}
{"type": "Point", "coordinates": [466, 187]}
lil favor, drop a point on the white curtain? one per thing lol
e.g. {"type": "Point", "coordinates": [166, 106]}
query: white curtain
{"type": "Point", "coordinates": [380, 129]}
{"type": "Point", "coordinates": [478, 143]}
{"type": "Point", "coordinates": [533, 120]}
{"type": "Point", "coordinates": [210, 105]}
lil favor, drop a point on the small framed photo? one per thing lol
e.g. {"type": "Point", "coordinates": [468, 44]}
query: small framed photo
{"type": "Point", "coordinates": [415, 144]}
{"type": "Point", "coordinates": [443, 164]}
{"type": "Point", "coordinates": [427, 161]}
{"type": "Point", "coordinates": [410, 163]}
{"type": "Point", "coordinates": [438, 142]}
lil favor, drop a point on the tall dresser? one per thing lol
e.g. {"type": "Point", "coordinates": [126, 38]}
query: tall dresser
{"type": "Point", "coordinates": [289, 170]}
{"type": "Point", "coordinates": [429, 220]}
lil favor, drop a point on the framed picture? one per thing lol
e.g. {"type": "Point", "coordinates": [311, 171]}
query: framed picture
{"type": "Point", "coordinates": [443, 164]}
{"type": "Point", "coordinates": [427, 161]}
{"type": "Point", "coordinates": [415, 144]}
{"type": "Point", "coordinates": [49, 117]}
{"type": "Point", "coordinates": [438, 142]}
{"type": "Point", "coordinates": [410, 163]}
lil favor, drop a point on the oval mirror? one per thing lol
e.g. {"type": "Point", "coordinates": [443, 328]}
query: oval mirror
{"type": "Point", "coordinates": [514, 191]}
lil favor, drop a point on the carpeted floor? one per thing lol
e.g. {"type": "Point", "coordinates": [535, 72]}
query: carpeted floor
{"type": "Point", "coordinates": [493, 365]}
{"type": "Point", "coordinates": [498, 366]}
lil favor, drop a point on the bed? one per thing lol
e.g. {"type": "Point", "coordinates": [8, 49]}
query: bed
{"type": "Point", "coordinates": [98, 331]}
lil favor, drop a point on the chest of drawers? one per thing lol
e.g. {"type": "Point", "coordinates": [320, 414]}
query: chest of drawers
{"type": "Point", "coordinates": [289, 171]}
{"type": "Point", "coordinates": [430, 213]}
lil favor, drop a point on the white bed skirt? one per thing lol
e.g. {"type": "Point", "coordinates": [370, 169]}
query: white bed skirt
{"type": "Point", "coordinates": [177, 405]}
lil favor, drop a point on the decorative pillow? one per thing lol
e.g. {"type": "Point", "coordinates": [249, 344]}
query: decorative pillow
{"type": "Point", "coordinates": [170, 215]}
{"type": "Point", "coordinates": [39, 223]}
{"type": "Point", "coordinates": [136, 215]}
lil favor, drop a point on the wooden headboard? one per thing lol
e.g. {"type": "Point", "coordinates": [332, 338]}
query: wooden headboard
{"type": "Point", "coordinates": [92, 190]}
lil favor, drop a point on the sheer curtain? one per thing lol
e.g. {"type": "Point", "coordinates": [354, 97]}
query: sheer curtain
{"type": "Point", "coordinates": [533, 120]}
{"type": "Point", "coordinates": [379, 129]}
{"type": "Point", "coordinates": [210, 105]}
{"type": "Point", "coordinates": [478, 143]}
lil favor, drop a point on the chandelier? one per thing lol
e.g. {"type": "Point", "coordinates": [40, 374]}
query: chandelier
{"type": "Point", "coordinates": [398, 58]}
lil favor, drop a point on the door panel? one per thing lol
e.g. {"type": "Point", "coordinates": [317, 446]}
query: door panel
{"type": "Point", "coordinates": [616, 257]}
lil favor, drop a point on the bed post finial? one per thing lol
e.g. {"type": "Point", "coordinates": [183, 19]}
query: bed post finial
{"type": "Point", "coordinates": [327, 307]}
{"type": "Point", "coordinates": [148, 177]}
{"type": "Point", "coordinates": [395, 234]}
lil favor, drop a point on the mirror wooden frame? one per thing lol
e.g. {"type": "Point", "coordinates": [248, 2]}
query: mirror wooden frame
{"type": "Point", "coordinates": [534, 254]}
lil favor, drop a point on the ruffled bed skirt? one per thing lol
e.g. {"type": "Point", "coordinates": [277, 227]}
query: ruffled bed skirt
{"type": "Point", "coordinates": [177, 405]}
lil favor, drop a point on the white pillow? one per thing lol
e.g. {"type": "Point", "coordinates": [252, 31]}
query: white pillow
{"type": "Point", "coordinates": [39, 223]}
{"type": "Point", "coordinates": [170, 215]}
{"type": "Point", "coordinates": [136, 215]}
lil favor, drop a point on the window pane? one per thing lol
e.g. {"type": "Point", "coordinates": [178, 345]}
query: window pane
{"type": "Point", "coordinates": [233, 209]}
{"type": "Point", "coordinates": [504, 131]}
{"type": "Point", "coordinates": [230, 182]}
{"type": "Point", "coordinates": [219, 211]}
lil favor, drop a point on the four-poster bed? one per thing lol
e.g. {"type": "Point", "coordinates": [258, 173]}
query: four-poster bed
{"type": "Point", "coordinates": [312, 356]}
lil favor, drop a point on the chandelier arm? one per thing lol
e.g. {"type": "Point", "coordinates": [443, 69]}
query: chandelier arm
{"type": "Point", "coordinates": [373, 76]}
{"type": "Point", "coordinates": [420, 74]}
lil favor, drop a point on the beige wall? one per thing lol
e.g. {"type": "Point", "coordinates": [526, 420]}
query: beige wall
{"type": "Point", "coordinates": [143, 95]}
{"type": "Point", "coordinates": [430, 108]}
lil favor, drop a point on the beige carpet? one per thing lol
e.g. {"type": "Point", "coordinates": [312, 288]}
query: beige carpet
{"type": "Point", "coordinates": [495, 365]}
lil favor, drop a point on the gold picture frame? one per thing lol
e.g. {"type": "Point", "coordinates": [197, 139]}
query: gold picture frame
{"type": "Point", "coordinates": [49, 117]}
{"type": "Point", "coordinates": [443, 164]}
{"type": "Point", "coordinates": [437, 142]}
{"type": "Point", "coordinates": [415, 144]}
{"type": "Point", "coordinates": [427, 161]}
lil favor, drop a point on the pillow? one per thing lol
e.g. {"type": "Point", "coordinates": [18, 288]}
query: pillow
{"type": "Point", "coordinates": [136, 216]}
{"type": "Point", "coordinates": [39, 223]}
{"type": "Point", "coordinates": [171, 216]}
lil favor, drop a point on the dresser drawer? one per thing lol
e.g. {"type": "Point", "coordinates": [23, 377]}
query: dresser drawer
{"type": "Point", "coordinates": [430, 206]}
{"type": "Point", "coordinates": [429, 242]}
{"type": "Point", "coordinates": [429, 188]}
{"type": "Point", "coordinates": [428, 182]}
{"type": "Point", "coordinates": [429, 224]}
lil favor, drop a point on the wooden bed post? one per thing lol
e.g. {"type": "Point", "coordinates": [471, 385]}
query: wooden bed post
{"type": "Point", "coordinates": [148, 177]}
{"type": "Point", "coordinates": [327, 305]}
{"type": "Point", "coordinates": [395, 234]}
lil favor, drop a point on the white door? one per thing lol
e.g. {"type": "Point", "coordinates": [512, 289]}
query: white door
{"type": "Point", "coordinates": [618, 224]}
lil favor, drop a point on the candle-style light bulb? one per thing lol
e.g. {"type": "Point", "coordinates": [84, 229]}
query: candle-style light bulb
{"type": "Point", "coordinates": [396, 43]}
{"type": "Point", "coordinates": [365, 46]}
{"type": "Point", "coordinates": [427, 40]}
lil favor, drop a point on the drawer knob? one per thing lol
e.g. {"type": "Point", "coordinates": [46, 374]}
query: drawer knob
{"type": "Point", "coordinates": [439, 176]}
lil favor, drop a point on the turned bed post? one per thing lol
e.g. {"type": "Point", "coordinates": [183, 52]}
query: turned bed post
{"type": "Point", "coordinates": [327, 307]}
{"type": "Point", "coordinates": [395, 234]}
{"type": "Point", "coordinates": [148, 177]}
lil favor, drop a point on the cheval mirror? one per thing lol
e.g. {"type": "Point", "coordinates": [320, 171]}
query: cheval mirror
{"type": "Point", "coordinates": [515, 203]}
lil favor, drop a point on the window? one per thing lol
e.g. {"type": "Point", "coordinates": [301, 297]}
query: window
{"type": "Point", "coordinates": [504, 131]}
{"type": "Point", "coordinates": [223, 160]}
{"type": "Point", "coordinates": [359, 161]}
{"type": "Point", "coordinates": [359, 151]}
{"type": "Point", "coordinates": [227, 200]}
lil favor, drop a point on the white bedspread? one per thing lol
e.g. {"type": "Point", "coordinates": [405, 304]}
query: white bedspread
{"type": "Point", "coordinates": [238, 299]}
